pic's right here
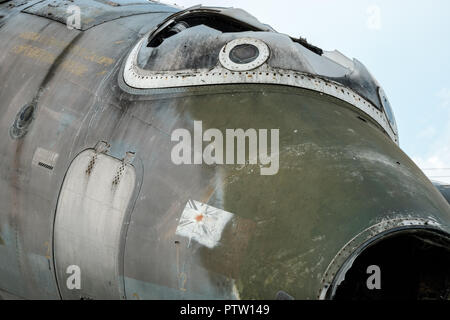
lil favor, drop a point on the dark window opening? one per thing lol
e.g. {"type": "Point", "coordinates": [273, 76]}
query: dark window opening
{"type": "Point", "coordinates": [216, 21]}
{"type": "Point", "coordinates": [414, 265]}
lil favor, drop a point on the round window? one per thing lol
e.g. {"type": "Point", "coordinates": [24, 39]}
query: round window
{"type": "Point", "coordinates": [244, 54]}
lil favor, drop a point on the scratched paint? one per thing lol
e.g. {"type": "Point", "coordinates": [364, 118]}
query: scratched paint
{"type": "Point", "coordinates": [47, 57]}
{"type": "Point", "coordinates": [77, 50]}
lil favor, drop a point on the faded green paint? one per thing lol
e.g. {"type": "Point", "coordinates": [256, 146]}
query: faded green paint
{"type": "Point", "coordinates": [338, 176]}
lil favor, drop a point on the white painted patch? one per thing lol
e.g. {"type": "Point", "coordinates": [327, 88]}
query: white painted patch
{"type": "Point", "coordinates": [202, 223]}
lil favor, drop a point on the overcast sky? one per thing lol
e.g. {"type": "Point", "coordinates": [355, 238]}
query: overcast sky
{"type": "Point", "coordinates": [404, 44]}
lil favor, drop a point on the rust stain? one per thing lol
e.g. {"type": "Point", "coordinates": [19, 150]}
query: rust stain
{"type": "Point", "coordinates": [177, 244]}
{"type": "Point", "coordinates": [47, 245]}
{"type": "Point", "coordinates": [183, 278]}
{"type": "Point", "coordinates": [47, 57]}
{"type": "Point", "coordinates": [118, 175]}
{"type": "Point", "coordinates": [48, 41]}
{"type": "Point", "coordinates": [91, 165]}
{"type": "Point", "coordinates": [88, 20]}
{"type": "Point", "coordinates": [208, 194]}
{"type": "Point", "coordinates": [76, 50]}
{"type": "Point", "coordinates": [34, 53]}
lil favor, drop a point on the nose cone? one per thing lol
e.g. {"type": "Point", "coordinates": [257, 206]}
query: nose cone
{"type": "Point", "coordinates": [339, 175]}
{"type": "Point", "coordinates": [340, 183]}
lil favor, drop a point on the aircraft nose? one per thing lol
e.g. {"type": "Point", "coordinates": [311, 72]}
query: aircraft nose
{"type": "Point", "coordinates": [340, 188]}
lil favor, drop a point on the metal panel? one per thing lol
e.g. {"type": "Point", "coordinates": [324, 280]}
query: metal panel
{"type": "Point", "coordinates": [38, 63]}
{"type": "Point", "coordinates": [89, 222]}
{"type": "Point", "coordinates": [338, 177]}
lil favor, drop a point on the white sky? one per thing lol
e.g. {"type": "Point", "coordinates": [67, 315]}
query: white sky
{"type": "Point", "coordinates": [404, 44]}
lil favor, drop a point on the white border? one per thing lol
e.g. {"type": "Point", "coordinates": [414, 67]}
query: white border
{"type": "Point", "coordinates": [224, 56]}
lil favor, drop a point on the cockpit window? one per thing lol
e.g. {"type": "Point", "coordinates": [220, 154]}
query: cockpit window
{"type": "Point", "coordinates": [210, 46]}
{"type": "Point", "coordinates": [192, 39]}
{"type": "Point", "coordinates": [194, 48]}
{"type": "Point", "coordinates": [224, 20]}
{"type": "Point", "coordinates": [211, 18]}
{"type": "Point", "coordinates": [387, 108]}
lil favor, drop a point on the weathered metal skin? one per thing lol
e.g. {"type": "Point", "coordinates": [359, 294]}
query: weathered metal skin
{"type": "Point", "coordinates": [341, 181]}
{"type": "Point", "coordinates": [444, 189]}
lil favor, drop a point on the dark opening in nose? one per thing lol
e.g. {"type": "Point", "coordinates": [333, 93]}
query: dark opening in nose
{"type": "Point", "coordinates": [412, 265]}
